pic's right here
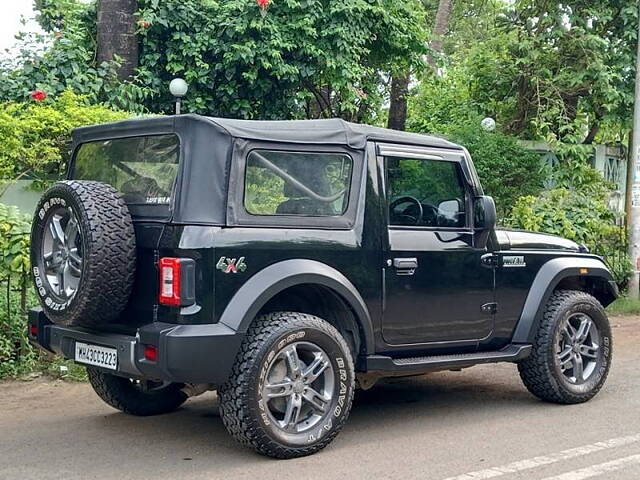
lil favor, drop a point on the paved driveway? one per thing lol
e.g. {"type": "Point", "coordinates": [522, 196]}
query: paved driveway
{"type": "Point", "coordinates": [476, 424]}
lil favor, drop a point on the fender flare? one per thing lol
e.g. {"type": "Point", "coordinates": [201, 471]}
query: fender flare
{"type": "Point", "coordinates": [264, 285]}
{"type": "Point", "coordinates": [545, 282]}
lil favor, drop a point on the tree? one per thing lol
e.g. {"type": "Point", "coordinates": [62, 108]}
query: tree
{"type": "Point", "coordinates": [400, 81]}
{"type": "Point", "coordinates": [440, 28]}
{"type": "Point", "coordinates": [116, 35]}
{"type": "Point", "coordinates": [566, 75]}
{"type": "Point", "coordinates": [303, 59]}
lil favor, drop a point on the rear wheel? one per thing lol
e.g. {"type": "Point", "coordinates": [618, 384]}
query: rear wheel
{"type": "Point", "coordinates": [136, 397]}
{"type": "Point", "coordinates": [291, 388]}
{"type": "Point", "coordinates": [572, 350]}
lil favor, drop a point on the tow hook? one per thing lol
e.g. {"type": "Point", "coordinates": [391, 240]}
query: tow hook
{"type": "Point", "coordinates": [195, 389]}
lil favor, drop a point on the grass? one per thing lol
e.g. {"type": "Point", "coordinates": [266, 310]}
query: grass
{"type": "Point", "coordinates": [624, 306]}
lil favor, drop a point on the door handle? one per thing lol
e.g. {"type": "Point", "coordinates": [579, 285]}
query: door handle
{"type": "Point", "coordinates": [405, 266]}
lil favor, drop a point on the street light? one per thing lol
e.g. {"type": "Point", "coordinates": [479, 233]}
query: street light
{"type": "Point", "coordinates": [178, 88]}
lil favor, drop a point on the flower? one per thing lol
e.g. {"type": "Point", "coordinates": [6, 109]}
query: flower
{"type": "Point", "coordinates": [263, 4]}
{"type": "Point", "coordinates": [38, 95]}
{"type": "Point", "coordinates": [144, 23]}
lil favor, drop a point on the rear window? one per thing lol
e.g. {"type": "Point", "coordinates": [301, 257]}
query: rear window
{"type": "Point", "coordinates": [143, 169]}
{"type": "Point", "coordinates": [297, 183]}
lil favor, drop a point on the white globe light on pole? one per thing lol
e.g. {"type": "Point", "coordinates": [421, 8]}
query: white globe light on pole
{"type": "Point", "coordinates": [178, 88]}
{"type": "Point", "coordinates": [488, 124]}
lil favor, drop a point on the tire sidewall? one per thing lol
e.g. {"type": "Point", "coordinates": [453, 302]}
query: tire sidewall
{"type": "Point", "coordinates": [599, 317]}
{"type": "Point", "coordinates": [56, 197]}
{"type": "Point", "coordinates": [340, 405]}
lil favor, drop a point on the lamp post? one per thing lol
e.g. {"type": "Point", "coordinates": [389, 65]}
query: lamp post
{"type": "Point", "coordinates": [178, 88]}
{"type": "Point", "coordinates": [633, 211]}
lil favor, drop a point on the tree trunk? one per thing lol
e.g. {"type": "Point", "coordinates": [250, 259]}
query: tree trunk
{"type": "Point", "coordinates": [398, 105]}
{"type": "Point", "coordinates": [117, 34]}
{"type": "Point", "coordinates": [400, 83]}
{"type": "Point", "coordinates": [440, 28]}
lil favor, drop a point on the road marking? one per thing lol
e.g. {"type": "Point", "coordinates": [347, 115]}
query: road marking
{"type": "Point", "coordinates": [547, 459]}
{"type": "Point", "coordinates": [599, 469]}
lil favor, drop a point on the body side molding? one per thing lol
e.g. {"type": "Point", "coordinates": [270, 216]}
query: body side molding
{"type": "Point", "coordinates": [264, 285]}
{"type": "Point", "coordinates": [546, 280]}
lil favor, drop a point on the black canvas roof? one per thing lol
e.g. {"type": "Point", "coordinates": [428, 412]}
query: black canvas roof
{"type": "Point", "coordinates": [209, 144]}
{"type": "Point", "coordinates": [330, 131]}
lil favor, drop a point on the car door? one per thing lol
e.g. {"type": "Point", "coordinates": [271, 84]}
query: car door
{"type": "Point", "coordinates": [436, 288]}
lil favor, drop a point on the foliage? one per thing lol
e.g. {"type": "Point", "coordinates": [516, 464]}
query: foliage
{"type": "Point", "coordinates": [567, 68]}
{"type": "Point", "coordinates": [35, 136]}
{"type": "Point", "coordinates": [303, 59]}
{"type": "Point", "coordinates": [577, 209]}
{"type": "Point", "coordinates": [506, 169]}
{"type": "Point", "coordinates": [16, 355]}
{"type": "Point", "coordinates": [442, 103]}
{"type": "Point", "coordinates": [624, 306]}
{"type": "Point", "coordinates": [64, 58]}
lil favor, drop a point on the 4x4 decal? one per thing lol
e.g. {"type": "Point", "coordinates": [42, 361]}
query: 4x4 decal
{"type": "Point", "coordinates": [231, 265]}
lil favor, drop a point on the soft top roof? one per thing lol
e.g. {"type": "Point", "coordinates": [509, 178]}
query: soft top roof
{"type": "Point", "coordinates": [209, 143]}
{"type": "Point", "coordinates": [330, 131]}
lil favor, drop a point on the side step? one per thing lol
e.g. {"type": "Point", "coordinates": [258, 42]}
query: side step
{"type": "Point", "coordinates": [380, 363]}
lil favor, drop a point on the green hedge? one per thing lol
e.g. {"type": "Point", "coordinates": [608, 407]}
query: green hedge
{"type": "Point", "coordinates": [35, 135]}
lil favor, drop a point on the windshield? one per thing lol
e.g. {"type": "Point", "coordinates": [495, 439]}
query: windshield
{"type": "Point", "coordinates": [143, 169]}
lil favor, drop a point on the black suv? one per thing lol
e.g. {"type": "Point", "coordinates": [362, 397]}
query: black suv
{"type": "Point", "coordinates": [284, 263]}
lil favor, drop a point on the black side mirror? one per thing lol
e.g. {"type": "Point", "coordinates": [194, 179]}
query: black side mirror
{"type": "Point", "coordinates": [484, 220]}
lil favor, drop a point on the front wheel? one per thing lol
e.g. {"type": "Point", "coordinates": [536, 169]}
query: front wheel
{"type": "Point", "coordinates": [291, 388]}
{"type": "Point", "coordinates": [572, 350]}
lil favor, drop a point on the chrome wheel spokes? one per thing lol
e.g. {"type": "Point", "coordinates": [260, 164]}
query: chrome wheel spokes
{"type": "Point", "coordinates": [62, 253]}
{"type": "Point", "coordinates": [299, 387]}
{"type": "Point", "coordinates": [578, 348]}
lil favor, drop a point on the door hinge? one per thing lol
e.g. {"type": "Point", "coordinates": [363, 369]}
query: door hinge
{"type": "Point", "coordinates": [489, 260]}
{"type": "Point", "coordinates": [491, 308]}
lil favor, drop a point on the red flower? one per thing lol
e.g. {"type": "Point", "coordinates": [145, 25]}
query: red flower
{"type": "Point", "coordinates": [38, 95]}
{"type": "Point", "coordinates": [144, 24]}
{"type": "Point", "coordinates": [263, 4]}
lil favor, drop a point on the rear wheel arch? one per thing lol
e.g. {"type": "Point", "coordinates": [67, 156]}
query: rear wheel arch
{"type": "Point", "coordinates": [323, 302]}
{"type": "Point", "coordinates": [294, 284]}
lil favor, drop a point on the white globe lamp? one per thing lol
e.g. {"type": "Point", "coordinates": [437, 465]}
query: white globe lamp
{"type": "Point", "coordinates": [178, 88]}
{"type": "Point", "coordinates": [488, 124]}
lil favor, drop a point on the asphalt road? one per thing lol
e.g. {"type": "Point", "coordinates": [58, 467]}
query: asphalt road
{"type": "Point", "coordinates": [476, 424]}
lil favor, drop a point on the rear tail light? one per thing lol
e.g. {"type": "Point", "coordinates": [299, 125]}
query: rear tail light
{"type": "Point", "coordinates": [170, 281]}
{"type": "Point", "coordinates": [33, 330]}
{"type": "Point", "coordinates": [177, 281]}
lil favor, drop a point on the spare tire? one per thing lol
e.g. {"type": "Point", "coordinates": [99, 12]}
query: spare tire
{"type": "Point", "coordinates": [83, 253]}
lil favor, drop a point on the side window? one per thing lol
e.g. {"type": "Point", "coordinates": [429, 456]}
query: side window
{"type": "Point", "coordinates": [426, 193]}
{"type": "Point", "coordinates": [297, 183]}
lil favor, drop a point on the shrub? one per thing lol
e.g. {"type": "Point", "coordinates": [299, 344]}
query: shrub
{"type": "Point", "coordinates": [16, 355]}
{"type": "Point", "coordinates": [506, 169]}
{"type": "Point", "coordinates": [35, 135]}
{"type": "Point", "coordinates": [577, 209]}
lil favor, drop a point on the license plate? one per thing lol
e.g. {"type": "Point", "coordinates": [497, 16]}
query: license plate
{"type": "Point", "coordinates": [95, 355]}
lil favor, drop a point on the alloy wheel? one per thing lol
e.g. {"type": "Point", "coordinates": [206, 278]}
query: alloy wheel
{"type": "Point", "coordinates": [299, 387]}
{"type": "Point", "coordinates": [62, 253]}
{"type": "Point", "coordinates": [578, 348]}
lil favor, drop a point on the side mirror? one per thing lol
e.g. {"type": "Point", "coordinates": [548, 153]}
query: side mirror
{"type": "Point", "coordinates": [450, 209]}
{"type": "Point", "coordinates": [484, 220]}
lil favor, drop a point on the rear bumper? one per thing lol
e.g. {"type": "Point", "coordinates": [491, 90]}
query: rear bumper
{"type": "Point", "coordinates": [186, 353]}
